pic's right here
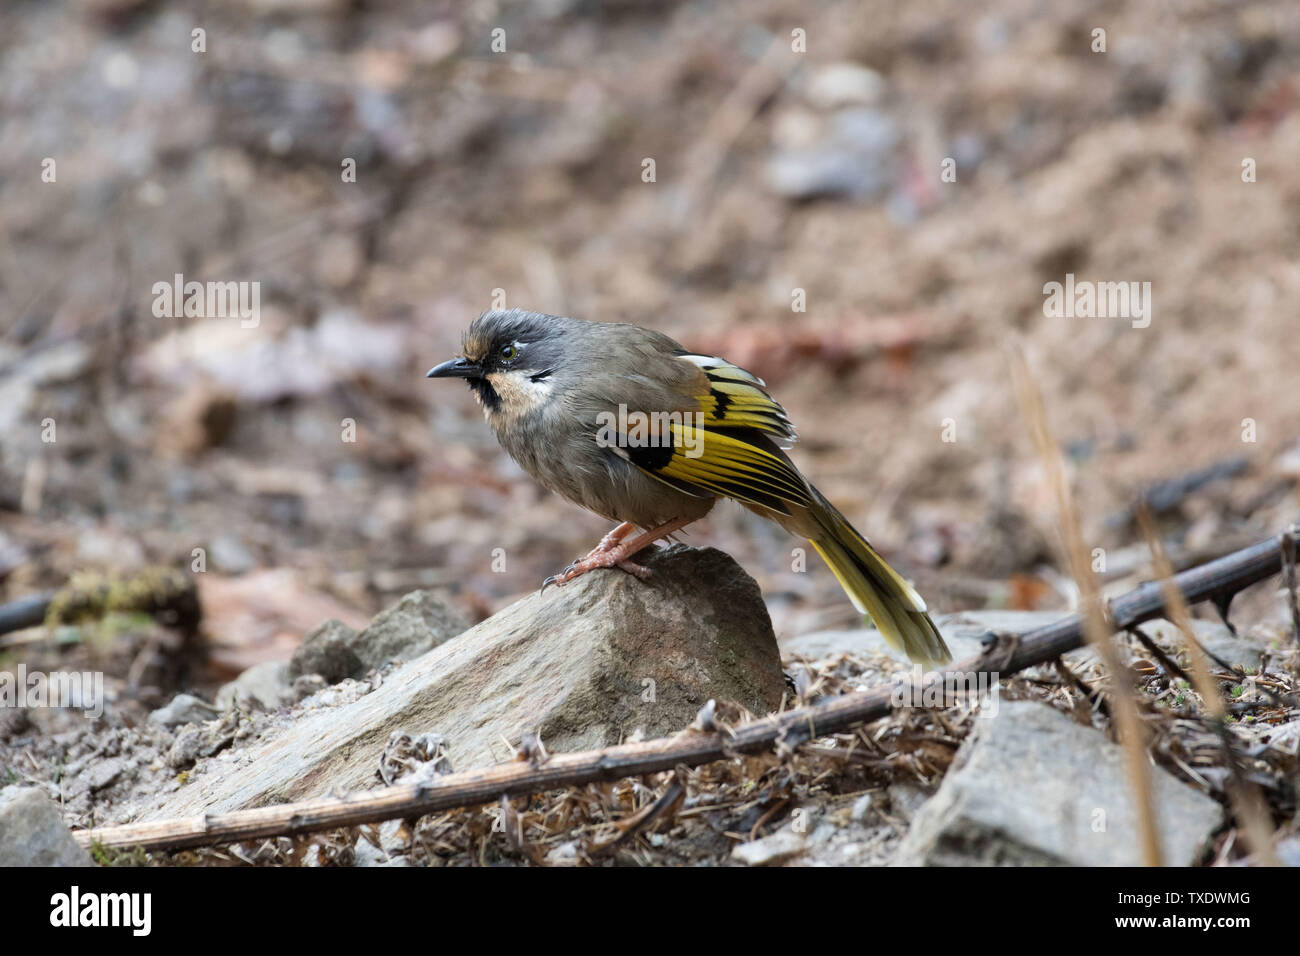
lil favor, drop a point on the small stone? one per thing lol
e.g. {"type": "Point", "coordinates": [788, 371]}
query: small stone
{"type": "Point", "coordinates": [823, 834]}
{"type": "Point", "coordinates": [104, 774]}
{"type": "Point", "coordinates": [327, 651]}
{"type": "Point", "coordinates": [566, 854]}
{"type": "Point", "coordinates": [305, 686]}
{"type": "Point", "coordinates": [417, 623]}
{"type": "Point", "coordinates": [185, 749]}
{"type": "Point", "coordinates": [183, 709]}
{"type": "Point", "coordinates": [32, 832]}
{"type": "Point", "coordinates": [770, 850]}
{"type": "Point", "coordinates": [367, 854]}
{"type": "Point", "coordinates": [265, 683]}
{"type": "Point", "coordinates": [861, 808]}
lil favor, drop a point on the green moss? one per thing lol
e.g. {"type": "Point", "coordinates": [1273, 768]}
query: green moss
{"type": "Point", "coordinates": [112, 856]}
{"type": "Point", "coordinates": [155, 592]}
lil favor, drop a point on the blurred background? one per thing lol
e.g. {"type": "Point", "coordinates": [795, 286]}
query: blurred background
{"type": "Point", "coordinates": [797, 156]}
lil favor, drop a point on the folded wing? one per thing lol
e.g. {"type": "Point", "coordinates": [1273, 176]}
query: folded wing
{"type": "Point", "coordinates": [731, 447]}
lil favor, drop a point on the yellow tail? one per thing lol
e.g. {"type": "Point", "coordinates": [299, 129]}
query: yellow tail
{"type": "Point", "coordinates": [877, 589]}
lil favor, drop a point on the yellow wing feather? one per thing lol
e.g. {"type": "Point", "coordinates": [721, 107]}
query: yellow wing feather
{"type": "Point", "coordinates": [731, 447]}
{"type": "Point", "coordinates": [728, 445]}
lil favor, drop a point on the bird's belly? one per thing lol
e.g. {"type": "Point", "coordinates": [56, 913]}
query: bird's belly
{"type": "Point", "coordinates": [601, 481]}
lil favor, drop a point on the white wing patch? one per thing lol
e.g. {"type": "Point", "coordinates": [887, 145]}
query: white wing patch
{"type": "Point", "coordinates": [711, 363]}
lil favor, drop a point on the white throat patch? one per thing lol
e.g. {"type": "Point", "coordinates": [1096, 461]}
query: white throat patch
{"type": "Point", "coordinates": [518, 392]}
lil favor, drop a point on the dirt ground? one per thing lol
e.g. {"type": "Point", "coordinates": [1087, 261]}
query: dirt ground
{"type": "Point", "coordinates": [486, 177]}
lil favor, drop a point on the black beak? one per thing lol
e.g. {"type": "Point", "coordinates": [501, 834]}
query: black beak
{"type": "Point", "coordinates": [456, 368]}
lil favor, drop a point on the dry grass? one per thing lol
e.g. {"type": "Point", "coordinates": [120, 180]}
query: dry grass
{"type": "Point", "coordinates": [1096, 628]}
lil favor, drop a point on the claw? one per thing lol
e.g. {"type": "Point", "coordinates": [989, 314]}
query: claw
{"type": "Point", "coordinates": [561, 579]}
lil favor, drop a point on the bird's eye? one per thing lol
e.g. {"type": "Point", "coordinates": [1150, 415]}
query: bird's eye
{"type": "Point", "coordinates": [508, 353]}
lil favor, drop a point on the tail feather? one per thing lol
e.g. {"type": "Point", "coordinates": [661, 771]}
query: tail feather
{"type": "Point", "coordinates": [877, 589]}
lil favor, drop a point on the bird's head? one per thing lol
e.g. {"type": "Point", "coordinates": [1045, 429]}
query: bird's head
{"type": "Point", "coordinates": [510, 359]}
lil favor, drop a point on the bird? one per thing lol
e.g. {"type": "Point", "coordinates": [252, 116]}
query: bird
{"type": "Point", "coordinates": [629, 424]}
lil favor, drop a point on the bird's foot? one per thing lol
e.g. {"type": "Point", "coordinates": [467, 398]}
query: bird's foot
{"type": "Point", "coordinates": [616, 548]}
{"type": "Point", "coordinates": [597, 558]}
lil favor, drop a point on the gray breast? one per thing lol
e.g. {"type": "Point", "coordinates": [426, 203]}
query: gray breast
{"type": "Point", "coordinates": [562, 454]}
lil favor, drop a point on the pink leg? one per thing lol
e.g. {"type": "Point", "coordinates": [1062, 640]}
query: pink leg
{"type": "Point", "coordinates": [614, 537]}
{"type": "Point", "coordinates": [625, 545]}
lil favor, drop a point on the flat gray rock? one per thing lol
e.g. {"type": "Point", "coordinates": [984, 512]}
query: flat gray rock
{"type": "Point", "coordinates": [1214, 636]}
{"type": "Point", "coordinates": [32, 832]}
{"type": "Point", "coordinates": [1032, 787]}
{"type": "Point", "coordinates": [587, 665]}
{"type": "Point", "coordinates": [962, 632]}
